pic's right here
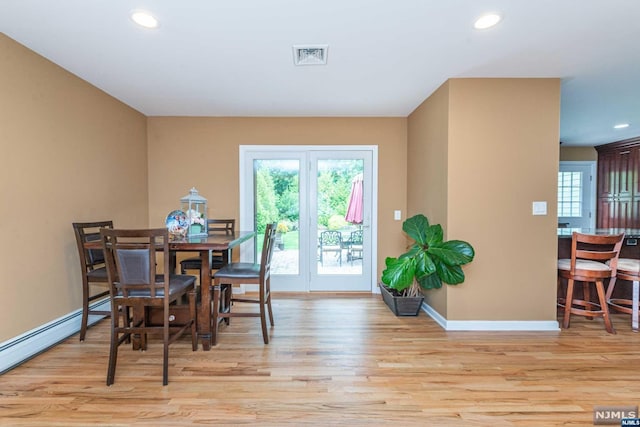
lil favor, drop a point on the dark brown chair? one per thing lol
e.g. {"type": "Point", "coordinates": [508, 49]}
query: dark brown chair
{"type": "Point", "coordinates": [92, 269]}
{"type": "Point", "coordinates": [628, 270]}
{"type": "Point", "coordinates": [218, 259]}
{"type": "Point", "coordinates": [134, 285]}
{"type": "Point", "coordinates": [244, 273]}
{"type": "Point", "coordinates": [594, 259]}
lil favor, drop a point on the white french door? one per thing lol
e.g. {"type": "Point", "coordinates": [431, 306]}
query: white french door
{"type": "Point", "coordinates": [307, 190]}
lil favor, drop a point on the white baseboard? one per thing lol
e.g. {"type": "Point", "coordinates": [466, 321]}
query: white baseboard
{"type": "Point", "coordinates": [490, 325]}
{"type": "Point", "coordinates": [23, 347]}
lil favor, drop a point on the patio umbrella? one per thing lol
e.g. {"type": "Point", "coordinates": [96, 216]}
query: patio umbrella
{"type": "Point", "coordinates": [354, 209]}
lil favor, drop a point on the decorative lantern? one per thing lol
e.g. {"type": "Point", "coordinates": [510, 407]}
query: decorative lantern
{"type": "Point", "coordinates": [195, 206]}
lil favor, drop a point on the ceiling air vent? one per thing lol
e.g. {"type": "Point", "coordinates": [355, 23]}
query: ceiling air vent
{"type": "Point", "coordinates": [310, 54]}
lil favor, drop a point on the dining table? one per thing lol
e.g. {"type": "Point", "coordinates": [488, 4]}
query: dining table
{"type": "Point", "coordinates": [204, 245]}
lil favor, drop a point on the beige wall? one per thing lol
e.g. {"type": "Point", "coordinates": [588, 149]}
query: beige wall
{"type": "Point", "coordinates": [58, 130]}
{"type": "Point", "coordinates": [502, 154]}
{"type": "Point", "coordinates": [70, 153]}
{"type": "Point", "coordinates": [204, 152]}
{"type": "Point", "coordinates": [581, 154]}
{"type": "Point", "coordinates": [427, 165]}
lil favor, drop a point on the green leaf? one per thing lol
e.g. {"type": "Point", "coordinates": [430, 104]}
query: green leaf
{"type": "Point", "coordinates": [453, 252]}
{"type": "Point", "coordinates": [399, 273]}
{"type": "Point", "coordinates": [434, 235]}
{"type": "Point", "coordinates": [412, 252]}
{"type": "Point", "coordinates": [450, 274]}
{"type": "Point", "coordinates": [431, 281]}
{"type": "Point", "coordinates": [416, 227]}
{"type": "Point", "coordinates": [424, 265]}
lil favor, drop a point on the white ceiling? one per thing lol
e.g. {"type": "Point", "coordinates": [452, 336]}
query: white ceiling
{"type": "Point", "coordinates": [234, 57]}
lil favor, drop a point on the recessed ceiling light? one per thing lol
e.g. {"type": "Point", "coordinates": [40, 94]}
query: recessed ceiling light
{"type": "Point", "coordinates": [487, 21]}
{"type": "Point", "coordinates": [621, 126]}
{"type": "Point", "coordinates": [144, 19]}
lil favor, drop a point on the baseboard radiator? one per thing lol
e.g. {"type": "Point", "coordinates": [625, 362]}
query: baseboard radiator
{"type": "Point", "coordinates": [18, 350]}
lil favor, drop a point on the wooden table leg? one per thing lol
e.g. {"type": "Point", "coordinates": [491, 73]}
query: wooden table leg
{"type": "Point", "coordinates": [204, 315]}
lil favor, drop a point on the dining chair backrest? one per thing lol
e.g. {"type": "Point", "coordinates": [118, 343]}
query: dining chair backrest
{"type": "Point", "coordinates": [85, 232]}
{"type": "Point", "coordinates": [131, 262]}
{"type": "Point", "coordinates": [221, 226]}
{"type": "Point", "coordinates": [596, 247]}
{"type": "Point", "coordinates": [267, 251]}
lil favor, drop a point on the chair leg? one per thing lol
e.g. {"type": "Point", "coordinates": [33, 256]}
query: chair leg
{"type": "Point", "coordinates": [215, 307]}
{"type": "Point", "coordinates": [192, 315]}
{"type": "Point", "coordinates": [126, 320]}
{"type": "Point", "coordinates": [610, 288]}
{"type": "Point", "coordinates": [228, 298]}
{"type": "Point", "coordinates": [113, 354]}
{"type": "Point", "coordinates": [263, 322]}
{"type": "Point", "coordinates": [268, 292]}
{"type": "Point", "coordinates": [568, 304]}
{"type": "Point", "coordinates": [604, 307]}
{"type": "Point", "coordinates": [165, 356]}
{"type": "Point", "coordinates": [143, 323]}
{"type": "Point", "coordinates": [586, 289]}
{"type": "Point", "coordinates": [85, 310]}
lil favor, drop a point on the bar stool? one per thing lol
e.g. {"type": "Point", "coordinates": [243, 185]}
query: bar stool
{"type": "Point", "coordinates": [628, 269]}
{"type": "Point", "coordinates": [594, 258]}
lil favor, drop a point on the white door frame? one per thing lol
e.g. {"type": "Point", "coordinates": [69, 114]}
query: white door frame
{"type": "Point", "coordinates": [590, 187]}
{"type": "Point", "coordinates": [246, 207]}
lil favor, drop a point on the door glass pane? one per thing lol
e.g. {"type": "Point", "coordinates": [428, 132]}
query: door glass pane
{"type": "Point", "coordinates": [569, 194]}
{"type": "Point", "coordinates": [277, 199]}
{"type": "Point", "coordinates": [339, 216]}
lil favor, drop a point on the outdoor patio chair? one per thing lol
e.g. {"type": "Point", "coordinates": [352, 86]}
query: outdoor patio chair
{"type": "Point", "coordinates": [331, 242]}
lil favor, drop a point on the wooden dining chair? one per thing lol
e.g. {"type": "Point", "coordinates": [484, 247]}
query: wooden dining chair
{"type": "Point", "coordinates": [244, 273]}
{"type": "Point", "coordinates": [218, 258]}
{"type": "Point", "coordinates": [594, 259]}
{"type": "Point", "coordinates": [134, 284]}
{"type": "Point", "coordinates": [92, 270]}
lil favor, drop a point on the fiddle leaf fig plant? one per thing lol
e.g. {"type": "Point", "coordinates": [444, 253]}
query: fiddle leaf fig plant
{"type": "Point", "coordinates": [429, 261]}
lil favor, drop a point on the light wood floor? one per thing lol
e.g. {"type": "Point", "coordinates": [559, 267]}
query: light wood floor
{"type": "Point", "coordinates": [334, 360]}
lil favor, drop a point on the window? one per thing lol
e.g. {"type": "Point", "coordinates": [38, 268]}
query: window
{"type": "Point", "coordinates": [570, 194]}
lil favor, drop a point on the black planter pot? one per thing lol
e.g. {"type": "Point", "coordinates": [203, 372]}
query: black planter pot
{"type": "Point", "coordinates": [401, 306]}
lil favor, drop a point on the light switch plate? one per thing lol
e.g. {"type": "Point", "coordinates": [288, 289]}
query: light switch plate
{"type": "Point", "coordinates": [539, 208]}
{"type": "Point", "coordinates": [397, 215]}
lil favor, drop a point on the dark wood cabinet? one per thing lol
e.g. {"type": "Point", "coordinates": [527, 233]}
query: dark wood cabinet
{"type": "Point", "coordinates": [618, 184]}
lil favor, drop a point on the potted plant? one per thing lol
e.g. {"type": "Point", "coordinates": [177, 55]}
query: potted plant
{"type": "Point", "coordinates": [429, 262]}
{"type": "Point", "coordinates": [281, 229]}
